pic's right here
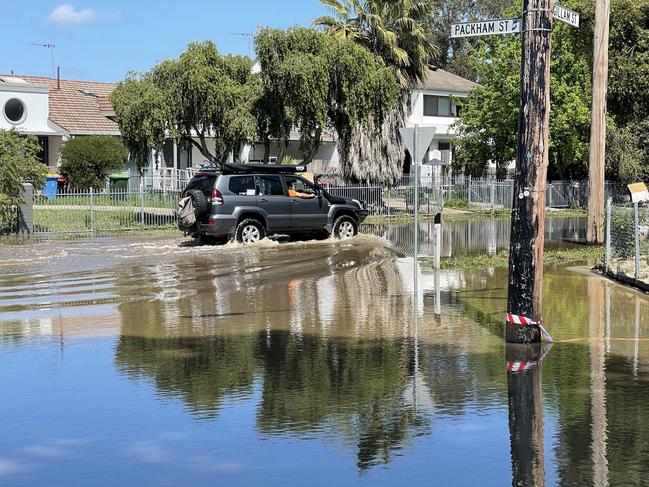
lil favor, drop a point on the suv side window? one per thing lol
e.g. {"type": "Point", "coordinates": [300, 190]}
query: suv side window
{"type": "Point", "coordinates": [270, 186]}
{"type": "Point", "coordinates": [242, 185]}
{"type": "Point", "coordinates": [299, 186]}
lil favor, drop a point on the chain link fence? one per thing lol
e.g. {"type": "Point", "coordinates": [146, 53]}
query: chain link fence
{"type": "Point", "coordinates": [92, 212]}
{"type": "Point", "coordinates": [627, 243]}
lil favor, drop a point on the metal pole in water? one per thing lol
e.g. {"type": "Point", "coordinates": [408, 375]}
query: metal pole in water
{"type": "Point", "coordinates": [416, 223]}
{"type": "Point", "coordinates": [636, 233]}
{"type": "Point", "coordinates": [92, 212]}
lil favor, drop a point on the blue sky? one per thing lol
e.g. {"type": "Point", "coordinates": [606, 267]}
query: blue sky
{"type": "Point", "coordinates": [103, 40]}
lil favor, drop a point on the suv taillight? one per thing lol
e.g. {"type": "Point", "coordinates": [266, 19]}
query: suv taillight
{"type": "Point", "coordinates": [217, 197]}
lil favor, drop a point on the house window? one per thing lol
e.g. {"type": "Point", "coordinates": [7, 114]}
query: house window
{"type": "Point", "coordinates": [168, 153]}
{"type": "Point", "coordinates": [15, 111]}
{"type": "Point", "coordinates": [184, 155]}
{"type": "Point", "coordinates": [444, 146]}
{"type": "Point", "coordinates": [44, 152]}
{"type": "Point", "coordinates": [437, 106]}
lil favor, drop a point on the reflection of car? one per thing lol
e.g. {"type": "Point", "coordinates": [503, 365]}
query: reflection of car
{"type": "Point", "coordinates": [247, 203]}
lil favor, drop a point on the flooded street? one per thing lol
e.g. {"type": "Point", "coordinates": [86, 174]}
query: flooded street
{"type": "Point", "coordinates": [135, 361]}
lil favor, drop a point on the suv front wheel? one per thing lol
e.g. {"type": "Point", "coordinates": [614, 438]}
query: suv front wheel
{"type": "Point", "coordinates": [345, 227]}
{"type": "Point", "coordinates": [249, 230]}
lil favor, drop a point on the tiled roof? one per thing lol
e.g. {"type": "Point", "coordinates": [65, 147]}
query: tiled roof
{"type": "Point", "coordinates": [438, 79]}
{"type": "Point", "coordinates": [78, 106]}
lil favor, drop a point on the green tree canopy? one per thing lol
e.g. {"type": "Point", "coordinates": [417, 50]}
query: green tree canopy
{"type": "Point", "coordinates": [202, 97]}
{"type": "Point", "coordinates": [488, 125]}
{"type": "Point", "coordinates": [314, 82]}
{"type": "Point", "coordinates": [18, 164]}
{"type": "Point", "coordinates": [85, 161]}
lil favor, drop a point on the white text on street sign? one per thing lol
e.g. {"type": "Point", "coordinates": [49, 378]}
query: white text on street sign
{"type": "Point", "coordinates": [486, 28]}
{"type": "Point", "coordinates": [566, 15]}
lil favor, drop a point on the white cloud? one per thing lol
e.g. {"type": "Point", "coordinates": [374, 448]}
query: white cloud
{"type": "Point", "coordinates": [67, 14]}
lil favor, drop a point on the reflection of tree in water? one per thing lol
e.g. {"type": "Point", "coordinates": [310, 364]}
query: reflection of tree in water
{"type": "Point", "coordinates": [199, 370]}
{"type": "Point", "coordinates": [352, 389]}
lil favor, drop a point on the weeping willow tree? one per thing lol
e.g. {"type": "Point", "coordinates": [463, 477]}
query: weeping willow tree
{"type": "Point", "coordinates": [396, 31]}
{"type": "Point", "coordinates": [314, 82]}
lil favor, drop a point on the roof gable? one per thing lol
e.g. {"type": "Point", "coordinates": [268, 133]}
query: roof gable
{"type": "Point", "coordinates": [441, 80]}
{"type": "Point", "coordinates": [78, 106]}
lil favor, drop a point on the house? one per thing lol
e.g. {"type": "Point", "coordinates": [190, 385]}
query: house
{"type": "Point", "coordinates": [55, 110]}
{"type": "Point", "coordinates": [433, 104]}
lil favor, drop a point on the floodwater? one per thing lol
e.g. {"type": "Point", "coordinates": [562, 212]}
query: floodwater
{"type": "Point", "coordinates": [147, 362]}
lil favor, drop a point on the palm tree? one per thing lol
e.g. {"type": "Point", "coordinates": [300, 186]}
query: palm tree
{"type": "Point", "coordinates": [392, 29]}
{"type": "Point", "coordinates": [396, 31]}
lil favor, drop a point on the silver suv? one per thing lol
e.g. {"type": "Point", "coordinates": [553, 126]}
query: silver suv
{"type": "Point", "coordinates": [249, 202]}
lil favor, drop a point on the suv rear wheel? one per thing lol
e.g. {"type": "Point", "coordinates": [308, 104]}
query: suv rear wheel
{"type": "Point", "coordinates": [345, 227]}
{"type": "Point", "coordinates": [249, 230]}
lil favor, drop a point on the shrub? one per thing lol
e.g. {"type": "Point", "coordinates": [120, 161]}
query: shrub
{"type": "Point", "coordinates": [85, 161]}
{"type": "Point", "coordinates": [18, 164]}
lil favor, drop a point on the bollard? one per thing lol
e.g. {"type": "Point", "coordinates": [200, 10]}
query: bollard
{"type": "Point", "coordinates": [25, 212]}
{"type": "Point", "coordinates": [525, 414]}
{"type": "Point", "coordinates": [438, 240]}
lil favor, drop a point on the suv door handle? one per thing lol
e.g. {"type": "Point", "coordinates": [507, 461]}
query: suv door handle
{"type": "Point", "coordinates": [294, 201]}
{"type": "Point", "coordinates": [263, 200]}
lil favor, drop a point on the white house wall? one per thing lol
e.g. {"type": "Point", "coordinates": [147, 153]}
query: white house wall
{"type": "Point", "coordinates": [35, 100]}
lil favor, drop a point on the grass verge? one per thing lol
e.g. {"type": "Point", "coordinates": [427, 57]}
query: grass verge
{"type": "Point", "coordinates": [552, 258]}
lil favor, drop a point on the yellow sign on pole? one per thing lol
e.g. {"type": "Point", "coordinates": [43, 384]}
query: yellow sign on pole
{"type": "Point", "coordinates": [639, 192]}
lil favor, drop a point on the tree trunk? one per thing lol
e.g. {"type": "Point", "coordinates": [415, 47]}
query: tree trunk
{"type": "Point", "coordinates": [528, 211]}
{"type": "Point", "coordinates": [266, 148]}
{"type": "Point", "coordinates": [595, 228]}
{"type": "Point", "coordinates": [314, 148]}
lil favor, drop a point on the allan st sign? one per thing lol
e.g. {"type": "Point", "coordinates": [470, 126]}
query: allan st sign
{"type": "Point", "coordinates": [486, 28]}
{"type": "Point", "coordinates": [508, 26]}
{"type": "Point", "coordinates": [566, 15]}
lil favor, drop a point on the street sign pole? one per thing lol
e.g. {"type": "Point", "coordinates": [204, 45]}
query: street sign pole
{"type": "Point", "coordinates": [415, 164]}
{"type": "Point", "coordinates": [528, 211]}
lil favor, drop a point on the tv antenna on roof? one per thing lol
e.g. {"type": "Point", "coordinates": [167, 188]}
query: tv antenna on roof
{"type": "Point", "coordinates": [248, 35]}
{"type": "Point", "coordinates": [51, 47]}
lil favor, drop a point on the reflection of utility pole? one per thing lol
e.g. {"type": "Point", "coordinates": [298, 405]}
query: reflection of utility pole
{"type": "Point", "coordinates": [525, 414]}
{"type": "Point", "coordinates": [597, 349]}
{"type": "Point", "coordinates": [51, 47]}
{"type": "Point", "coordinates": [528, 212]}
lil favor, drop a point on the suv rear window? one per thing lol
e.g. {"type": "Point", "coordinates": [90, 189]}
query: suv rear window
{"type": "Point", "coordinates": [204, 183]}
{"type": "Point", "coordinates": [242, 185]}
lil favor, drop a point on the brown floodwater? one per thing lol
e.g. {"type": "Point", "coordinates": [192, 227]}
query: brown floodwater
{"type": "Point", "coordinates": [136, 361]}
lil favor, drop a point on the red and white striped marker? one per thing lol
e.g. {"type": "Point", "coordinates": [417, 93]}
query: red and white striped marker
{"type": "Point", "coordinates": [520, 366]}
{"type": "Point", "coordinates": [523, 321]}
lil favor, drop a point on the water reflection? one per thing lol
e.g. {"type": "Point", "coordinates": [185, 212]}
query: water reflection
{"type": "Point", "coordinates": [474, 235]}
{"type": "Point", "coordinates": [526, 415]}
{"type": "Point", "coordinates": [310, 352]}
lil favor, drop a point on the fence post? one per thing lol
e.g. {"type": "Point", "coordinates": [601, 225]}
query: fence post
{"type": "Point", "coordinates": [636, 234]}
{"type": "Point", "coordinates": [549, 195]}
{"type": "Point", "coordinates": [469, 191]}
{"type": "Point", "coordinates": [492, 195]}
{"type": "Point", "coordinates": [141, 206]}
{"type": "Point", "coordinates": [608, 235]}
{"type": "Point", "coordinates": [92, 211]}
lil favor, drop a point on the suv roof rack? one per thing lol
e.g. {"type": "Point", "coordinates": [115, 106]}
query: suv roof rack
{"type": "Point", "coordinates": [261, 168]}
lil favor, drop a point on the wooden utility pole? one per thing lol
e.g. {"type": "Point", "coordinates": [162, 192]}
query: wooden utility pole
{"type": "Point", "coordinates": [595, 228]}
{"type": "Point", "coordinates": [528, 211]}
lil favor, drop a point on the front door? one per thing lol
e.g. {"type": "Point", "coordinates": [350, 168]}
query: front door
{"type": "Point", "coordinates": [273, 202]}
{"type": "Point", "coordinates": [308, 210]}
